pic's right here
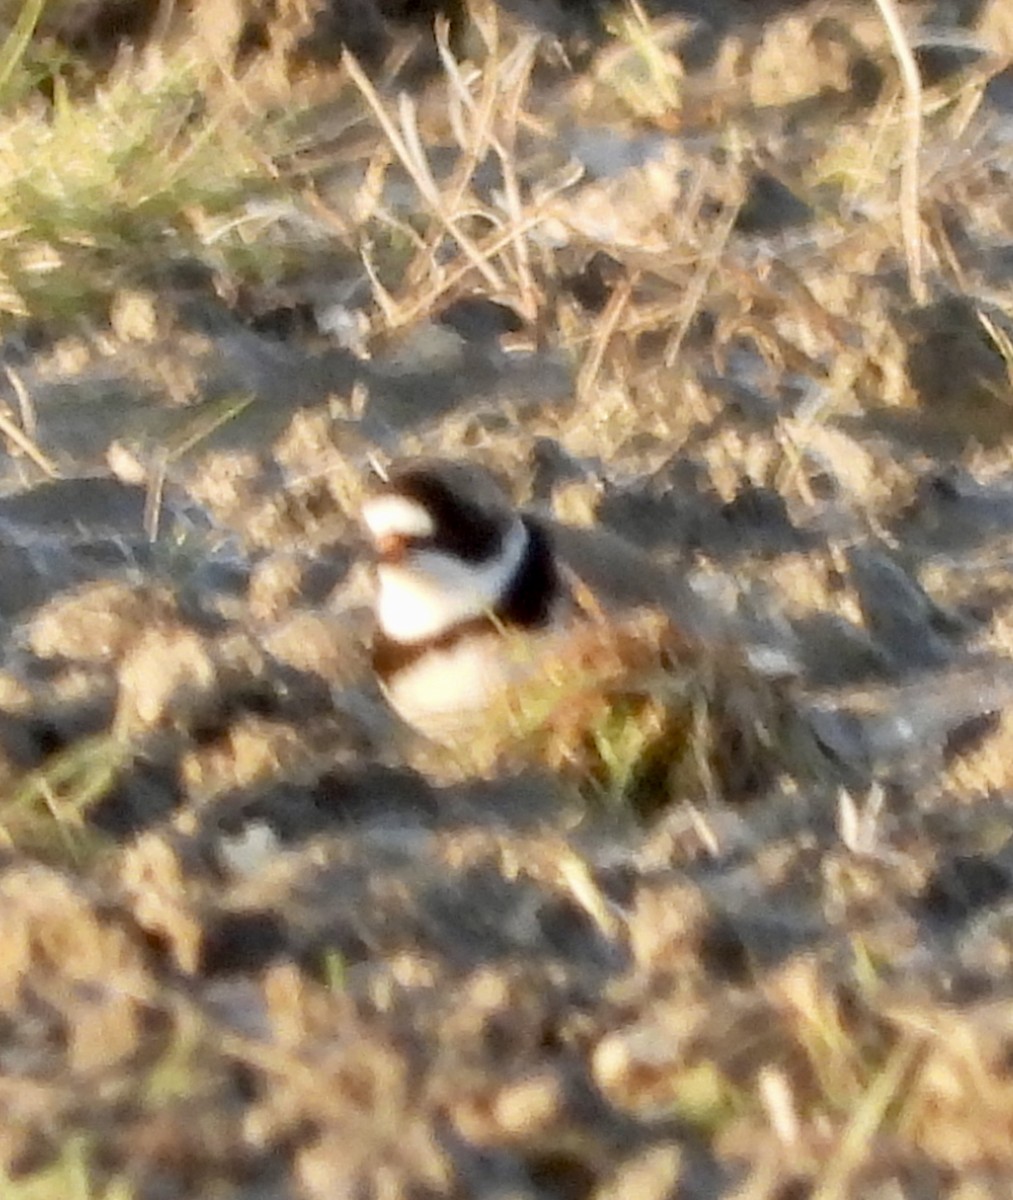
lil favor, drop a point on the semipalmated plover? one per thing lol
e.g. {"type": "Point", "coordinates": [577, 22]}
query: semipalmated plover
{"type": "Point", "coordinates": [473, 596]}
{"type": "Point", "coordinates": [457, 572]}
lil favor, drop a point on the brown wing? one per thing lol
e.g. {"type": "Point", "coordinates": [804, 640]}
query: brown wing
{"type": "Point", "coordinates": [618, 575]}
{"type": "Point", "coordinates": [709, 609]}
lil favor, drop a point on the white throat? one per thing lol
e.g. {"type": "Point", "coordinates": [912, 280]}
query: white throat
{"type": "Point", "coordinates": [385, 515]}
{"type": "Point", "coordinates": [431, 592]}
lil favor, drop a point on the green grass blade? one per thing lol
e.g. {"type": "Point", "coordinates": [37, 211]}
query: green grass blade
{"type": "Point", "coordinates": [12, 52]}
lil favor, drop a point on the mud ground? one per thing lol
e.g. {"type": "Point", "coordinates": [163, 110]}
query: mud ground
{"type": "Point", "coordinates": [258, 943]}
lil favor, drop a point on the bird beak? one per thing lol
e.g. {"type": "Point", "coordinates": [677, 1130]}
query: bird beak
{"type": "Point", "coordinates": [390, 547]}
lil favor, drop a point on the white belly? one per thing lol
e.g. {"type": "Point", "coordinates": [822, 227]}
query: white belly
{"type": "Point", "coordinates": [447, 692]}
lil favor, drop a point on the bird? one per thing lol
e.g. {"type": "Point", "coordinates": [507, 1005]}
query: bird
{"type": "Point", "coordinates": [456, 570]}
{"type": "Point", "coordinates": [473, 596]}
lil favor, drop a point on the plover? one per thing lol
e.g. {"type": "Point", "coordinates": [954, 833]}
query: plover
{"type": "Point", "coordinates": [472, 595]}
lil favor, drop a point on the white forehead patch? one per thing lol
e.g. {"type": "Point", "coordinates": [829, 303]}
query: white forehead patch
{"type": "Point", "coordinates": [396, 516]}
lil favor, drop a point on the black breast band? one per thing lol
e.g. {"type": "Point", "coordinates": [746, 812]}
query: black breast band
{"type": "Point", "coordinates": [526, 604]}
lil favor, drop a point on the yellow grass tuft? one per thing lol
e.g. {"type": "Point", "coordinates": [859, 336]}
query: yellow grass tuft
{"type": "Point", "coordinates": [637, 717]}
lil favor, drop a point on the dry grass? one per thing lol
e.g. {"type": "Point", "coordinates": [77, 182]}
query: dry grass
{"type": "Point", "coordinates": [69, 1176]}
{"type": "Point", "coordinates": [911, 168]}
{"type": "Point", "coordinates": [46, 813]}
{"type": "Point", "coordinates": [485, 109]}
{"type": "Point", "coordinates": [637, 718]}
{"type": "Point", "coordinates": [114, 186]}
